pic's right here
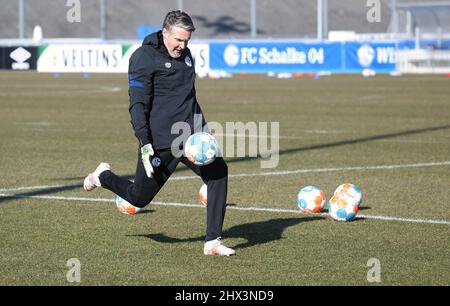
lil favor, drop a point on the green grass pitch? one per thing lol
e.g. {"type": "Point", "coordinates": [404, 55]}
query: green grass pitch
{"type": "Point", "coordinates": [390, 136]}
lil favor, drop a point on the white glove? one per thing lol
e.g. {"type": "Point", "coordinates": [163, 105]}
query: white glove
{"type": "Point", "coordinates": [146, 155]}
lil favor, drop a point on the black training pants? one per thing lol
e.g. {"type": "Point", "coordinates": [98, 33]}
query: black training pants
{"type": "Point", "coordinates": [144, 189]}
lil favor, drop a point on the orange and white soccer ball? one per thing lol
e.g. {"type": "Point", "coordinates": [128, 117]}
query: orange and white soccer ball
{"type": "Point", "coordinates": [203, 194]}
{"type": "Point", "coordinates": [343, 207]}
{"type": "Point", "coordinates": [125, 207]}
{"type": "Point", "coordinates": [352, 190]}
{"type": "Point", "coordinates": [311, 199]}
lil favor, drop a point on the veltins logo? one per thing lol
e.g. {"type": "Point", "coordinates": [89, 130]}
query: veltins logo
{"type": "Point", "coordinates": [231, 55]}
{"type": "Point", "coordinates": [366, 55]}
{"type": "Point", "coordinates": [20, 55]}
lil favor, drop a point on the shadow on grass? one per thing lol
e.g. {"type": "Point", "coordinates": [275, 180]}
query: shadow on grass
{"type": "Point", "coordinates": [146, 211]}
{"type": "Point", "coordinates": [52, 190]}
{"type": "Point", "coordinates": [320, 146]}
{"type": "Point", "coordinates": [255, 233]}
{"type": "Point", "coordinates": [40, 192]}
{"type": "Point", "coordinates": [347, 142]}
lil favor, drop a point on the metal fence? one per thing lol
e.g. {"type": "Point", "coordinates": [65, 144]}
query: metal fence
{"type": "Point", "coordinates": [213, 18]}
{"type": "Point", "coordinates": [131, 19]}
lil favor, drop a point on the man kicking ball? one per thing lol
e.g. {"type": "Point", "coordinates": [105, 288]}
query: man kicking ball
{"type": "Point", "coordinates": [162, 93]}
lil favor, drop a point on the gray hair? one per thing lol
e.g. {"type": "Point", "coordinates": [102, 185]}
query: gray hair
{"type": "Point", "coordinates": [178, 19]}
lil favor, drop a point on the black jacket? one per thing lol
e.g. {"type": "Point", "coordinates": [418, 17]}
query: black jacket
{"type": "Point", "coordinates": [162, 92]}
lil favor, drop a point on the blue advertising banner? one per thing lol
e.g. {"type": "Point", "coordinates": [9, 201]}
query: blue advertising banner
{"type": "Point", "coordinates": [379, 57]}
{"type": "Point", "coordinates": [256, 57]}
{"type": "Point", "coordinates": [336, 57]}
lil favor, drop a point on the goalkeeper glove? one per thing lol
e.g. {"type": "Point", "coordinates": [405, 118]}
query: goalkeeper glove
{"type": "Point", "coordinates": [146, 155]}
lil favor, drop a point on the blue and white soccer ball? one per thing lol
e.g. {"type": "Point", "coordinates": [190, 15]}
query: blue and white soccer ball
{"type": "Point", "coordinates": [201, 149]}
{"type": "Point", "coordinates": [125, 207]}
{"type": "Point", "coordinates": [343, 207]}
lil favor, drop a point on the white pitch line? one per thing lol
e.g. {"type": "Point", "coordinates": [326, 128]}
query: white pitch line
{"type": "Point", "coordinates": [318, 170]}
{"type": "Point", "coordinates": [364, 168]}
{"type": "Point", "coordinates": [275, 173]}
{"type": "Point", "coordinates": [186, 205]}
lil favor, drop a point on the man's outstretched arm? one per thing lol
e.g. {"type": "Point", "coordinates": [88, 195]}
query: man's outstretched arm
{"type": "Point", "coordinates": [141, 94]}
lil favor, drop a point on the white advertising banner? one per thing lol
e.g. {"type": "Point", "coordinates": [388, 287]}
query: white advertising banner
{"type": "Point", "coordinates": [104, 58]}
{"type": "Point", "coordinates": [80, 58]}
{"type": "Point", "coordinates": [200, 53]}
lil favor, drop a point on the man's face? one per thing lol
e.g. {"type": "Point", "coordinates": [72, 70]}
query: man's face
{"type": "Point", "coordinates": [176, 40]}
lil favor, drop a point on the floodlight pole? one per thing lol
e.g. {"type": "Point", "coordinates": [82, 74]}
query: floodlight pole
{"type": "Point", "coordinates": [319, 19]}
{"type": "Point", "coordinates": [21, 20]}
{"type": "Point", "coordinates": [253, 18]}
{"type": "Point", "coordinates": [417, 38]}
{"type": "Point", "coordinates": [325, 19]}
{"type": "Point", "coordinates": [322, 19]}
{"type": "Point", "coordinates": [394, 16]}
{"type": "Point", "coordinates": [180, 5]}
{"type": "Point", "coordinates": [409, 23]}
{"type": "Point", "coordinates": [103, 19]}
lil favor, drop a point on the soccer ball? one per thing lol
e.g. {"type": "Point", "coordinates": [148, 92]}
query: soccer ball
{"type": "Point", "coordinates": [203, 194]}
{"type": "Point", "coordinates": [125, 207]}
{"type": "Point", "coordinates": [201, 149]}
{"type": "Point", "coordinates": [351, 190]}
{"type": "Point", "coordinates": [343, 207]}
{"type": "Point", "coordinates": [311, 199]}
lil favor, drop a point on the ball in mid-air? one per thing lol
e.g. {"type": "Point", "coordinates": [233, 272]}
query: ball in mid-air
{"type": "Point", "coordinates": [201, 149]}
